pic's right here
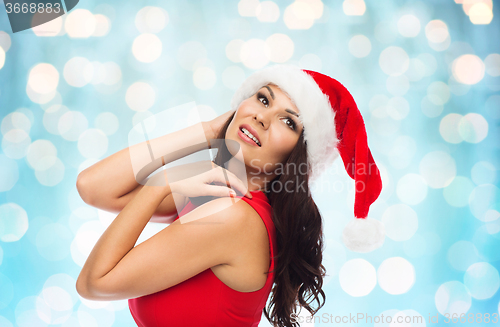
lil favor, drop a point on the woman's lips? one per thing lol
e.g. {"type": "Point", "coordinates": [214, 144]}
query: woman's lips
{"type": "Point", "coordinates": [251, 130]}
{"type": "Point", "coordinates": [246, 138]}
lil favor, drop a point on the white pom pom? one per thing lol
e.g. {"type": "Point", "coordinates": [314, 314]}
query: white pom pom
{"type": "Point", "coordinates": [363, 235]}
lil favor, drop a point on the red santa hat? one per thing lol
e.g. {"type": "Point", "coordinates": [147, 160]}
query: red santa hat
{"type": "Point", "coordinates": [332, 125]}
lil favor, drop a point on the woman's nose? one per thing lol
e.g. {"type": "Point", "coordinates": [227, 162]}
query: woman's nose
{"type": "Point", "coordinates": [261, 118]}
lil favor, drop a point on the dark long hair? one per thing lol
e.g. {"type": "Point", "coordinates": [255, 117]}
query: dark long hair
{"type": "Point", "coordinates": [299, 235]}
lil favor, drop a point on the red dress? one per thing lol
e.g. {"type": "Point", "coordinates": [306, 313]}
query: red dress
{"type": "Point", "coordinates": [204, 300]}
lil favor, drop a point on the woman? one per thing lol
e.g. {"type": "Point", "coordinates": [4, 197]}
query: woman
{"type": "Point", "coordinates": [293, 119]}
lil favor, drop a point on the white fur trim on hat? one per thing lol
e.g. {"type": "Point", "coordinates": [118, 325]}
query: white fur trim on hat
{"type": "Point", "coordinates": [316, 112]}
{"type": "Point", "coordinates": [363, 235]}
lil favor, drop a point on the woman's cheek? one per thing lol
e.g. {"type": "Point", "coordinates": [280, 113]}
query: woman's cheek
{"type": "Point", "coordinates": [283, 143]}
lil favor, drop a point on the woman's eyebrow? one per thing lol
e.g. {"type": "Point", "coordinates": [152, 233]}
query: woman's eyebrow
{"type": "Point", "coordinates": [270, 91]}
{"type": "Point", "coordinates": [292, 112]}
{"type": "Point", "coordinates": [272, 96]}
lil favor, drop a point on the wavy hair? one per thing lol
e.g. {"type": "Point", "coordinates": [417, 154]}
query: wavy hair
{"type": "Point", "coordinates": [298, 264]}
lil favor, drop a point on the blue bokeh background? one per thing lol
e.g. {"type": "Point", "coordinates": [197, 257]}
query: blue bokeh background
{"type": "Point", "coordinates": [425, 76]}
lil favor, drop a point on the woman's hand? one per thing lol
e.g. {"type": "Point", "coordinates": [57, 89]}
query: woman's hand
{"type": "Point", "coordinates": [212, 182]}
{"type": "Point", "coordinates": [213, 126]}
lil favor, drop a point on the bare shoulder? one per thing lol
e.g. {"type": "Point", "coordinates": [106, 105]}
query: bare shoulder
{"type": "Point", "coordinates": [223, 209]}
{"type": "Point", "coordinates": [250, 227]}
{"type": "Point", "coordinates": [239, 218]}
{"type": "Point", "coordinates": [249, 215]}
{"type": "Point", "coordinates": [246, 216]}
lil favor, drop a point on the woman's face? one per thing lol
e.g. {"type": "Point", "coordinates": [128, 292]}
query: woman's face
{"type": "Point", "coordinates": [272, 118]}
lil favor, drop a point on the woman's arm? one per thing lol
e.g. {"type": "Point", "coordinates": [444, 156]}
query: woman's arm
{"type": "Point", "coordinates": [121, 236]}
{"type": "Point", "coordinates": [112, 182]}
{"type": "Point", "coordinates": [116, 269]}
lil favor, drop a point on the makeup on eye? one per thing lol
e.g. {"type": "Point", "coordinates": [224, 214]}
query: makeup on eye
{"type": "Point", "coordinates": [293, 126]}
{"type": "Point", "coordinates": [261, 95]}
{"type": "Point", "coordinates": [272, 96]}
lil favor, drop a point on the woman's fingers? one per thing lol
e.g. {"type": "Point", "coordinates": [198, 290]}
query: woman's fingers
{"type": "Point", "coordinates": [239, 185]}
{"type": "Point", "coordinates": [231, 180]}
{"type": "Point", "coordinates": [219, 191]}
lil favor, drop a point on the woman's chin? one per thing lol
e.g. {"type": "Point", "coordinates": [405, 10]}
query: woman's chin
{"type": "Point", "coordinates": [240, 156]}
{"type": "Point", "coordinates": [233, 146]}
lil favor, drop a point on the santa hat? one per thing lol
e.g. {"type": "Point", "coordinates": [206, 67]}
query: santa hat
{"type": "Point", "coordinates": [332, 125]}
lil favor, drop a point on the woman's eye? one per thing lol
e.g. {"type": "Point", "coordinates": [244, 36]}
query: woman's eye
{"type": "Point", "coordinates": [260, 96]}
{"type": "Point", "coordinates": [292, 123]}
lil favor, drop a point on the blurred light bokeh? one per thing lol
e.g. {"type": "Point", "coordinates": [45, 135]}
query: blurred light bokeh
{"type": "Point", "coordinates": [425, 76]}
